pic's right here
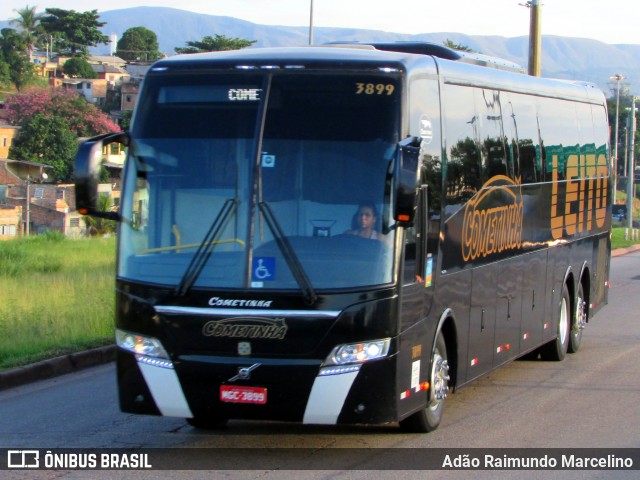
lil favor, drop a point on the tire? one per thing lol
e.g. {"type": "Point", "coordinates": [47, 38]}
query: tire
{"type": "Point", "coordinates": [580, 315]}
{"type": "Point", "coordinates": [428, 419]}
{"type": "Point", "coordinates": [207, 423]}
{"type": "Point", "coordinates": [556, 350]}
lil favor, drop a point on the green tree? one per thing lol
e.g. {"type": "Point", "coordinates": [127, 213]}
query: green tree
{"type": "Point", "coordinates": [74, 32]}
{"type": "Point", "coordinates": [613, 103]}
{"type": "Point", "coordinates": [16, 59]}
{"type": "Point", "coordinates": [125, 123]}
{"type": "Point", "coordinates": [139, 43]}
{"type": "Point", "coordinates": [5, 75]}
{"type": "Point", "coordinates": [215, 44]}
{"type": "Point", "coordinates": [47, 140]}
{"type": "Point", "coordinates": [28, 23]}
{"type": "Point", "coordinates": [457, 46]}
{"type": "Point", "coordinates": [51, 121]}
{"type": "Point", "coordinates": [97, 226]}
{"type": "Point", "coordinates": [79, 68]}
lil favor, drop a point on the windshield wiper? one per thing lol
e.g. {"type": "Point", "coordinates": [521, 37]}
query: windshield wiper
{"type": "Point", "coordinates": [289, 254]}
{"type": "Point", "coordinates": [201, 257]}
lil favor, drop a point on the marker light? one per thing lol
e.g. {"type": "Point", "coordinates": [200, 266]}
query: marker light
{"type": "Point", "coordinates": [358, 352]}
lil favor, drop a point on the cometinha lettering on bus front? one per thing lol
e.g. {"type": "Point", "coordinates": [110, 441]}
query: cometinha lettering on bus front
{"type": "Point", "coordinates": [249, 327]}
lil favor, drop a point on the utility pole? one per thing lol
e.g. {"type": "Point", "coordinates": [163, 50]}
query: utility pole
{"type": "Point", "coordinates": [630, 181]}
{"type": "Point", "coordinates": [27, 231]}
{"type": "Point", "coordinates": [311, 24]}
{"type": "Point", "coordinates": [618, 78]}
{"type": "Point", "coordinates": [535, 39]}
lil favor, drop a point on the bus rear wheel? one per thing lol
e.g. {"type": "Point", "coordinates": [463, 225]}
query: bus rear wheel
{"type": "Point", "coordinates": [428, 419]}
{"type": "Point", "coordinates": [579, 321]}
{"type": "Point", "coordinates": [556, 350]}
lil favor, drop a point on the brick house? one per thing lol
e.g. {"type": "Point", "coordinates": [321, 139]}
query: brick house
{"type": "Point", "coordinates": [50, 207]}
{"type": "Point", "coordinates": [7, 134]}
{"type": "Point", "coordinates": [128, 96]}
{"type": "Point", "coordinates": [93, 89]}
{"type": "Point", "coordinates": [11, 213]}
{"type": "Point", "coordinates": [50, 210]}
{"type": "Point", "coordinates": [113, 75]}
{"type": "Point", "coordinates": [10, 220]}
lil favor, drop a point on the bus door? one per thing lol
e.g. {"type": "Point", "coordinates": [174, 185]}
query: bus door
{"type": "Point", "coordinates": [482, 322]}
{"type": "Point", "coordinates": [413, 364]}
{"type": "Point", "coordinates": [508, 310]}
{"type": "Point", "coordinates": [533, 300]}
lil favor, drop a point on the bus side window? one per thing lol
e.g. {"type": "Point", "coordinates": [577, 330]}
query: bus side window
{"type": "Point", "coordinates": [463, 163]}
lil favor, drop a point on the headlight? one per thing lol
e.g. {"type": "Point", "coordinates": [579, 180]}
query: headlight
{"type": "Point", "coordinates": [358, 352]}
{"type": "Point", "coordinates": [140, 345]}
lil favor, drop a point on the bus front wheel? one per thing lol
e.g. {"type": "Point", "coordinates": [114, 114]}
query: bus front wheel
{"type": "Point", "coordinates": [428, 419]}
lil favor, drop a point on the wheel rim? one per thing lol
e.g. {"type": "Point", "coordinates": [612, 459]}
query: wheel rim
{"type": "Point", "coordinates": [564, 321]}
{"type": "Point", "coordinates": [581, 315]}
{"type": "Point", "coordinates": [439, 380]}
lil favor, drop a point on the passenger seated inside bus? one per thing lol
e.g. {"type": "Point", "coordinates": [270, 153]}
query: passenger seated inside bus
{"type": "Point", "coordinates": [365, 223]}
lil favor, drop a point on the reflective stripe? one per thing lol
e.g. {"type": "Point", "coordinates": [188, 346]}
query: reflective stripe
{"type": "Point", "coordinates": [166, 391]}
{"type": "Point", "coordinates": [327, 398]}
{"type": "Point", "coordinates": [247, 312]}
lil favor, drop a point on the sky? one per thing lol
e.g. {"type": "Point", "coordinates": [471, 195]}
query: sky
{"type": "Point", "coordinates": [612, 21]}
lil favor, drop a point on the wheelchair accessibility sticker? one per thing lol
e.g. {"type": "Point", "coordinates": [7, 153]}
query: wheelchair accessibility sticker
{"type": "Point", "coordinates": [263, 269]}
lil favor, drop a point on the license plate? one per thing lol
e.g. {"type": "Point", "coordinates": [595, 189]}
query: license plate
{"type": "Point", "coordinates": [238, 394]}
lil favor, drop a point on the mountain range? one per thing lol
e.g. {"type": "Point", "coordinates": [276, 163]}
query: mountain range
{"type": "Point", "coordinates": [562, 57]}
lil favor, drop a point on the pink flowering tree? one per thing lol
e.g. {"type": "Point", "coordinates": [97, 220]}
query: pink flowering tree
{"type": "Point", "coordinates": [51, 122]}
{"type": "Point", "coordinates": [84, 119]}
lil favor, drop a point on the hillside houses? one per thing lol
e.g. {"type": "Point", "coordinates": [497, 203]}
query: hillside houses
{"type": "Point", "coordinates": [29, 203]}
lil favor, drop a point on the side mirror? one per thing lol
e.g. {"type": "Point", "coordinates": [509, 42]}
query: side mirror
{"type": "Point", "coordinates": [406, 180]}
{"type": "Point", "coordinates": [87, 173]}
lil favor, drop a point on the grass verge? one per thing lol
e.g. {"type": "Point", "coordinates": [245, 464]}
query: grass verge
{"type": "Point", "coordinates": [57, 297]}
{"type": "Point", "coordinates": [618, 240]}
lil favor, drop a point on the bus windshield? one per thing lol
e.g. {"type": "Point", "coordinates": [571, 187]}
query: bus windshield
{"type": "Point", "coordinates": [266, 181]}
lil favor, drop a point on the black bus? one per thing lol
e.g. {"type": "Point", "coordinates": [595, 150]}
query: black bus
{"type": "Point", "coordinates": [345, 234]}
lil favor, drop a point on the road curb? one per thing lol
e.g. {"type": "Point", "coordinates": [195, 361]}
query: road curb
{"type": "Point", "coordinates": [624, 251]}
{"type": "Point", "coordinates": [97, 356]}
{"type": "Point", "coordinates": [56, 366]}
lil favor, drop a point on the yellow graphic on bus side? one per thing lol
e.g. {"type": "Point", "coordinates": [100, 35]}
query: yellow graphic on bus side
{"type": "Point", "coordinates": [486, 231]}
{"type": "Point", "coordinates": [586, 199]}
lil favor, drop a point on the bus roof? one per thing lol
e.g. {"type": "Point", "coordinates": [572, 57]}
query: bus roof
{"type": "Point", "coordinates": [410, 57]}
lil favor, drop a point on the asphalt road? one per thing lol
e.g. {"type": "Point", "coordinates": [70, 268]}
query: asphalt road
{"type": "Point", "coordinates": [590, 400]}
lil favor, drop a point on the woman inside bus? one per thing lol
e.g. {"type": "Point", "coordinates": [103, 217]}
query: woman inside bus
{"type": "Point", "coordinates": [365, 223]}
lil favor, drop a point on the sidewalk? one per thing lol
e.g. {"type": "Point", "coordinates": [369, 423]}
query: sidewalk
{"type": "Point", "coordinates": [97, 356]}
{"type": "Point", "coordinates": [624, 251]}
